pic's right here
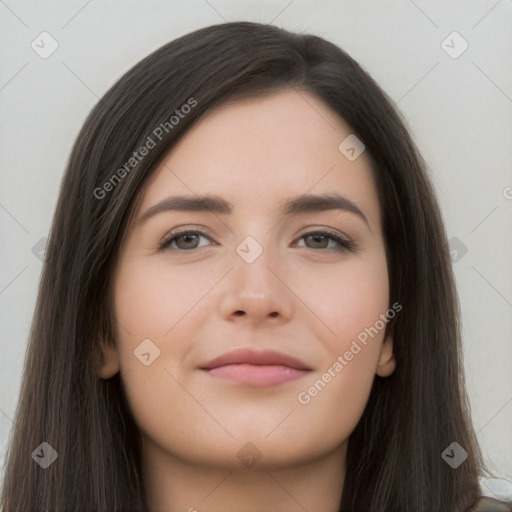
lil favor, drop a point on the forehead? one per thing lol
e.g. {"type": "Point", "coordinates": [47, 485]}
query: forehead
{"type": "Point", "coordinates": [260, 151]}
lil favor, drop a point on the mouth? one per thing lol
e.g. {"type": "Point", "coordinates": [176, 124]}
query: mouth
{"type": "Point", "coordinates": [256, 368]}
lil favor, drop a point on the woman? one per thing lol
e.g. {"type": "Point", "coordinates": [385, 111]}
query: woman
{"type": "Point", "coordinates": [247, 301]}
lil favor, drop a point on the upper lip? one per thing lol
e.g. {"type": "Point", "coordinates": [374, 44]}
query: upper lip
{"type": "Point", "coordinates": [249, 356]}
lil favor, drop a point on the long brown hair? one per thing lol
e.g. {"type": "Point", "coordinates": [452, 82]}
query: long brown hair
{"type": "Point", "coordinates": [394, 460]}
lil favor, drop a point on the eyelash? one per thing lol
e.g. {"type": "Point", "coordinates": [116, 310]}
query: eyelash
{"type": "Point", "coordinates": [344, 245]}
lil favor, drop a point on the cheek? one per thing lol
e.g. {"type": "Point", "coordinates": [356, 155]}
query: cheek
{"type": "Point", "coordinates": [347, 302]}
{"type": "Point", "coordinates": [330, 405]}
{"type": "Point", "coordinates": [151, 299]}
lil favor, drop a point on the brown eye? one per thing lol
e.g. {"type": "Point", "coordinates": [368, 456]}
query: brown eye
{"type": "Point", "coordinates": [327, 240]}
{"type": "Point", "coordinates": [318, 241]}
{"type": "Point", "coordinates": [183, 241]}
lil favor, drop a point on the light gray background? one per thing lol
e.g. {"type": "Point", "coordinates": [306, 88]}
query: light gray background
{"type": "Point", "coordinates": [459, 111]}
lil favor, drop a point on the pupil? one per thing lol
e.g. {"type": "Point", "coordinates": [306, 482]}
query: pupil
{"type": "Point", "coordinates": [318, 238]}
{"type": "Point", "coordinates": [187, 239]}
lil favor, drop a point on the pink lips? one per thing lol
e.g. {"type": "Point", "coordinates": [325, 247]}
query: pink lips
{"type": "Point", "coordinates": [256, 368]}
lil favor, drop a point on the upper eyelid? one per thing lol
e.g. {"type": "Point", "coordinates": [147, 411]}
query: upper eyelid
{"type": "Point", "coordinates": [184, 230]}
{"type": "Point", "coordinates": [203, 231]}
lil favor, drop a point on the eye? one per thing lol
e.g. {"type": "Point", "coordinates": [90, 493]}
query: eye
{"type": "Point", "coordinates": [327, 240]}
{"type": "Point", "coordinates": [183, 241]}
{"type": "Point", "coordinates": [187, 240]}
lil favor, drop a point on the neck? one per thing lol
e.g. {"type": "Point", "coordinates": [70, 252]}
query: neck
{"type": "Point", "coordinates": [173, 485]}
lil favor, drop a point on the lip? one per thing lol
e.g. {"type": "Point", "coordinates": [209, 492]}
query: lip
{"type": "Point", "coordinates": [258, 358]}
{"type": "Point", "coordinates": [256, 368]}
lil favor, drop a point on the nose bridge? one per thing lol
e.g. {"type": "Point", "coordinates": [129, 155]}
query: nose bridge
{"type": "Point", "coordinates": [252, 268]}
{"type": "Point", "coordinates": [254, 286]}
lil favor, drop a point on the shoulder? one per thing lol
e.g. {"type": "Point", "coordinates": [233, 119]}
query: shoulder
{"type": "Point", "coordinates": [487, 504]}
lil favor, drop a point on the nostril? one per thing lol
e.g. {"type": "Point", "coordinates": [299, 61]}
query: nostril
{"type": "Point", "coordinates": [274, 314]}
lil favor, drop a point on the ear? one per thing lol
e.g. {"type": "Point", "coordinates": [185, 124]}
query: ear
{"type": "Point", "coordinates": [109, 364]}
{"type": "Point", "coordinates": [387, 362]}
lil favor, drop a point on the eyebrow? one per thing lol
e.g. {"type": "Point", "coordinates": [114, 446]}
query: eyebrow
{"type": "Point", "coordinates": [300, 204]}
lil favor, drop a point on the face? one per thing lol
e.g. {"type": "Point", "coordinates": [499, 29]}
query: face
{"type": "Point", "coordinates": [282, 290]}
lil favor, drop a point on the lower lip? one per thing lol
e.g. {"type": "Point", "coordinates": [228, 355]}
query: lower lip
{"type": "Point", "coordinates": [259, 376]}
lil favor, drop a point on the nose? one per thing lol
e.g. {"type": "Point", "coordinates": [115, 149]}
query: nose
{"type": "Point", "coordinates": [257, 291]}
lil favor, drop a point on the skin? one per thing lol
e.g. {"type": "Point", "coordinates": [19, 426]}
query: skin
{"type": "Point", "coordinates": [299, 297]}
